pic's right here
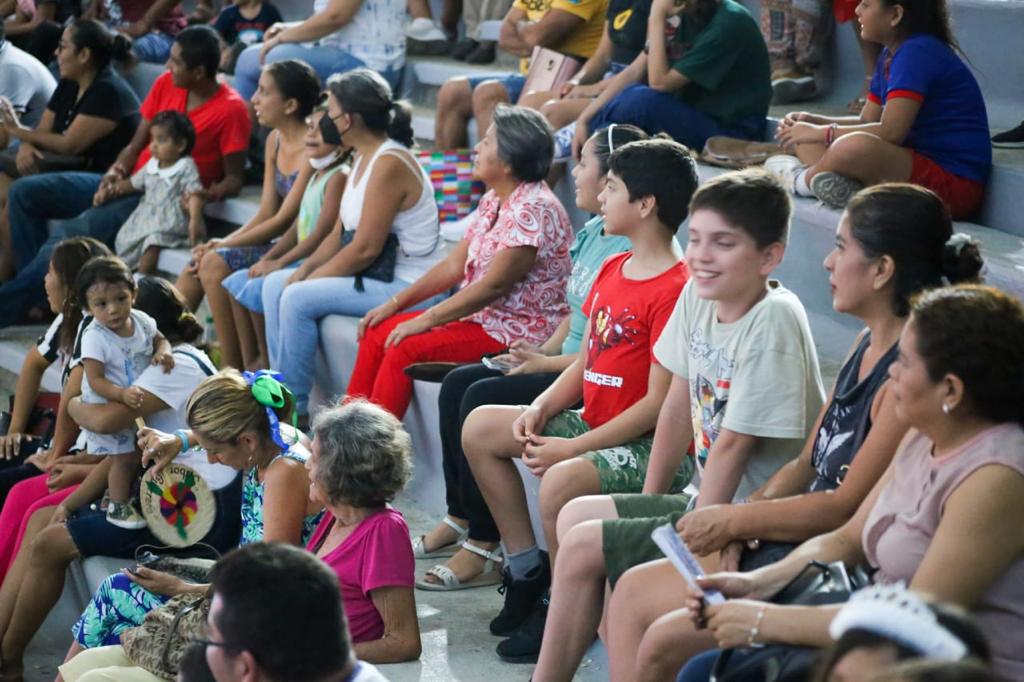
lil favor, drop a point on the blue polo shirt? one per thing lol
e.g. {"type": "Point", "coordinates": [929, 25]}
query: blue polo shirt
{"type": "Point", "coordinates": [951, 128]}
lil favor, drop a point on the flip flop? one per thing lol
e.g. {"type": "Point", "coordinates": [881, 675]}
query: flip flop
{"type": "Point", "coordinates": [419, 549]}
{"type": "Point", "coordinates": [491, 574]}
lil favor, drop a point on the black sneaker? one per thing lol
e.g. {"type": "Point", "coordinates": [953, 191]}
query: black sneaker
{"type": "Point", "coordinates": [1011, 139]}
{"type": "Point", "coordinates": [463, 48]}
{"type": "Point", "coordinates": [524, 644]}
{"type": "Point", "coordinates": [483, 53]}
{"type": "Point", "coordinates": [520, 597]}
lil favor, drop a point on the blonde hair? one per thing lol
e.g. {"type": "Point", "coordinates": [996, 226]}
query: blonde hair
{"type": "Point", "coordinates": [222, 408]}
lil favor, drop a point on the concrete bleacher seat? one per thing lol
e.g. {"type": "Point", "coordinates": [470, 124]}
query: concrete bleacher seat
{"type": "Point", "coordinates": [335, 358]}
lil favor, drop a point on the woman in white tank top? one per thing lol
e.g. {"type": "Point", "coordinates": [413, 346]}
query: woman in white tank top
{"type": "Point", "coordinates": [388, 193]}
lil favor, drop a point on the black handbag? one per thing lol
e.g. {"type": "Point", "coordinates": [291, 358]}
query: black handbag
{"type": "Point", "coordinates": [817, 584]}
{"type": "Point", "coordinates": [383, 268]}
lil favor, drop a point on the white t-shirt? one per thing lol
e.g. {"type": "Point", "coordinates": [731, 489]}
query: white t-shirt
{"type": "Point", "coordinates": [124, 360]}
{"type": "Point", "coordinates": [757, 376]}
{"type": "Point", "coordinates": [174, 390]}
{"type": "Point", "coordinates": [26, 82]}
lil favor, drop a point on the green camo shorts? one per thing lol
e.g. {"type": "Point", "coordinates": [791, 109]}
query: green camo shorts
{"type": "Point", "coordinates": [621, 469]}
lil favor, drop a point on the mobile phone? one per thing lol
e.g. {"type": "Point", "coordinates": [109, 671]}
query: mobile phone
{"type": "Point", "coordinates": [145, 559]}
{"type": "Point", "coordinates": [498, 365]}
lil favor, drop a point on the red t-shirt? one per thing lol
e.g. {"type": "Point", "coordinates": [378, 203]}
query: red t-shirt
{"type": "Point", "coordinates": [222, 124]}
{"type": "Point", "coordinates": [626, 318]}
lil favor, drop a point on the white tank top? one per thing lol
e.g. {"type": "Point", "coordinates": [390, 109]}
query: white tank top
{"type": "Point", "coordinates": [417, 228]}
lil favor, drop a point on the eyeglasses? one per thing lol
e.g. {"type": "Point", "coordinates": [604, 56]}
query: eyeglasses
{"type": "Point", "coordinates": [209, 642]}
{"type": "Point", "coordinates": [611, 144]}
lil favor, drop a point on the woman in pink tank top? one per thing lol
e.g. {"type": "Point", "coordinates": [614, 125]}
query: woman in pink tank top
{"type": "Point", "coordinates": [945, 517]}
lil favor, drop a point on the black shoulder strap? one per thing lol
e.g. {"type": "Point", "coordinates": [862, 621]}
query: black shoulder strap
{"type": "Point", "coordinates": [203, 365]}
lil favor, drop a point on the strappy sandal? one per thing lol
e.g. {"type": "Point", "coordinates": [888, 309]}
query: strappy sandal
{"type": "Point", "coordinates": [490, 575]}
{"type": "Point", "coordinates": [419, 548]}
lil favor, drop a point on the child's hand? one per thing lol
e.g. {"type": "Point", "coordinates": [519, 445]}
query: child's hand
{"type": "Point", "coordinates": [165, 360]}
{"type": "Point", "coordinates": [132, 396]}
{"type": "Point", "coordinates": [263, 267]}
{"type": "Point", "coordinates": [101, 196]}
{"type": "Point", "coordinates": [196, 232]}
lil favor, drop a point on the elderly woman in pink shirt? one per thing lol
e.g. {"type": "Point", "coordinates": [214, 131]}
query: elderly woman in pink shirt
{"type": "Point", "coordinates": [945, 517]}
{"type": "Point", "coordinates": [513, 265]}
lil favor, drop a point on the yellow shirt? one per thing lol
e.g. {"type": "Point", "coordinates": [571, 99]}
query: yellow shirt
{"type": "Point", "coordinates": [582, 42]}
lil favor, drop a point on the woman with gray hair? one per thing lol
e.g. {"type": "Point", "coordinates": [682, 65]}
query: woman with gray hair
{"type": "Point", "coordinates": [511, 268]}
{"type": "Point", "coordinates": [360, 461]}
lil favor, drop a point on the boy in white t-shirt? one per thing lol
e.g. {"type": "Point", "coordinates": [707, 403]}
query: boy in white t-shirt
{"type": "Point", "coordinates": [117, 346]}
{"type": "Point", "coordinates": [745, 372]}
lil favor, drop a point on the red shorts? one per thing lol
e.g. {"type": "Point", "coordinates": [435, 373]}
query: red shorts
{"type": "Point", "coordinates": [963, 196]}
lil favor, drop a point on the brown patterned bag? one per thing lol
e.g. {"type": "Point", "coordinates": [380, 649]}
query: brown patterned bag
{"type": "Point", "coordinates": [159, 643]}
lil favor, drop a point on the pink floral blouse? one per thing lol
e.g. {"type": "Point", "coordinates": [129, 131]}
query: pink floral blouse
{"type": "Point", "coordinates": [531, 216]}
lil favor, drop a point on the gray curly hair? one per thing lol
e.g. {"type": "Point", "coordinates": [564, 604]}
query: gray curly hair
{"type": "Point", "coordinates": [365, 454]}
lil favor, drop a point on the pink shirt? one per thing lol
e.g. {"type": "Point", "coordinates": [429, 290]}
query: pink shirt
{"type": "Point", "coordinates": [378, 553]}
{"type": "Point", "coordinates": [909, 509]}
{"type": "Point", "coordinates": [531, 216]}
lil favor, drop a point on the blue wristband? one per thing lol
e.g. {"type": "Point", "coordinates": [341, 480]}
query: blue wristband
{"type": "Point", "coordinates": [183, 436]}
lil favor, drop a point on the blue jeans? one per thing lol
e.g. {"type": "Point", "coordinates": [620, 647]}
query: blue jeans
{"type": "Point", "coordinates": [656, 112]}
{"type": "Point", "coordinates": [31, 203]}
{"type": "Point", "coordinates": [513, 84]}
{"type": "Point", "coordinates": [154, 47]}
{"type": "Point", "coordinates": [326, 61]}
{"type": "Point", "coordinates": [700, 667]}
{"type": "Point", "coordinates": [291, 320]}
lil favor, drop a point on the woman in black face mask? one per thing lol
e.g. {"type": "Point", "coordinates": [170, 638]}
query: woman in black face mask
{"type": "Point", "coordinates": [388, 226]}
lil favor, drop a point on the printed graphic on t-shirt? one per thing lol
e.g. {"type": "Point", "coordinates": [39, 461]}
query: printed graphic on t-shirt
{"type": "Point", "coordinates": [709, 392]}
{"type": "Point", "coordinates": [607, 330]}
{"type": "Point", "coordinates": [836, 429]}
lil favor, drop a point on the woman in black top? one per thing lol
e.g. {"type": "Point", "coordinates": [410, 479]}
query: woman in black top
{"type": "Point", "coordinates": [91, 116]}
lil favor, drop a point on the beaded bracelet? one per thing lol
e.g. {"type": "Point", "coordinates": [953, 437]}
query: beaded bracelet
{"type": "Point", "coordinates": [830, 134]}
{"type": "Point", "coordinates": [756, 629]}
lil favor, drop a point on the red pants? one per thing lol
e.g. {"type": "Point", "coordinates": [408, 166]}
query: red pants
{"type": "Point", "coordinates": [24, 500]}
{"type": "Point", "coordinates": [379, 373]}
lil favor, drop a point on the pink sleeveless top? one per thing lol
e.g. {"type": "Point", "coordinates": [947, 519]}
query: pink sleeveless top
{"type": "Point", "coordinates": [908, 511]}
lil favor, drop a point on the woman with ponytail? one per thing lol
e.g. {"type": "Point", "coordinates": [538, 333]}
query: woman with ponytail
{"type": "Point", "coordinates": [388, 198]}
{"type": "Point", "coordinates": [924, 121]}
{"type": "Point", "coordinates": [90, 117]}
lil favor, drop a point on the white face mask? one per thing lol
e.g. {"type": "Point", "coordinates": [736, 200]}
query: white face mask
{"type": "Point", "coordinates": [319, 163]}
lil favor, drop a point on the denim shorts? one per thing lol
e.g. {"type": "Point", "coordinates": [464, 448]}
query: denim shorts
{"type": "Point", "coordinates": [513, 84]}
{"type": "Point", "coordinates": [94, 536]}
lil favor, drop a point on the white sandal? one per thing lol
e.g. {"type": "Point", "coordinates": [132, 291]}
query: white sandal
{"type": "Point", "coordinates": [419, 548]}
{"type": "Point", "coordinates": [490, 575]}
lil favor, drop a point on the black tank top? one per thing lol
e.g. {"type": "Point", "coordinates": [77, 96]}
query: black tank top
{"type": "Point", "coordinates": [847, 419]}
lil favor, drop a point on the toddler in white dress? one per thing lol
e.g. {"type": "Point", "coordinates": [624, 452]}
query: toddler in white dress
{"type": "Point", "coordinates": [169, 181]}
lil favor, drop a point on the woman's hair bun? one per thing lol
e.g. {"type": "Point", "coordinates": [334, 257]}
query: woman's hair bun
{"type": "Point", "coordinates": [961, 259]}
{"type": "Point", "coordinates": [120, 47]}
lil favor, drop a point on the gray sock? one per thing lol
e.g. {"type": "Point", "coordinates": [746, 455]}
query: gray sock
{"type": "Point", "coordinates": [522, 564]}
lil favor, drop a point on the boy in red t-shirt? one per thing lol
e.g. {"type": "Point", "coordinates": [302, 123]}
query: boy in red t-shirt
{"type": "Point", "coordinates": [604, 447]}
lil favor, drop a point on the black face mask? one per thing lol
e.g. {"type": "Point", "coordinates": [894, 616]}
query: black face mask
{"type": "Point", "coordinates": [328, 131]}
